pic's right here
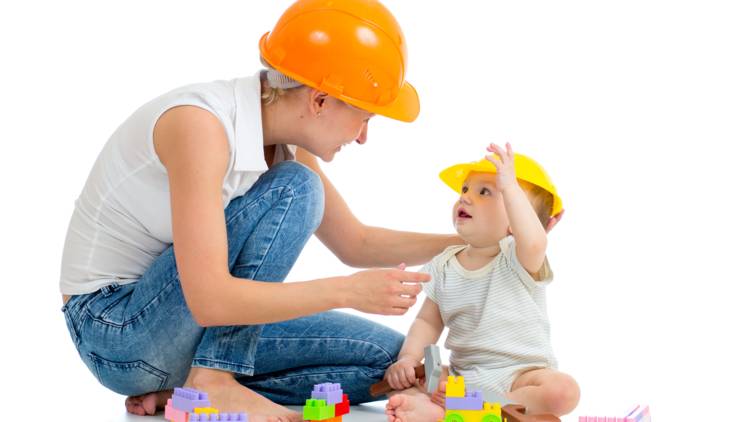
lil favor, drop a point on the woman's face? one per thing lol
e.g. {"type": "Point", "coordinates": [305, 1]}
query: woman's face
{"type": "Point", "coordinates": [335, 124]}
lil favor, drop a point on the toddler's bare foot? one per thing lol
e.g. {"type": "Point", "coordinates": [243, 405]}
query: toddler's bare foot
{"type": "Point", "coordinates": [413, 408]}
{"type": "Point", "coordinates": [228, 395]}
{"type": "Point", "coordinates": [147, 404]}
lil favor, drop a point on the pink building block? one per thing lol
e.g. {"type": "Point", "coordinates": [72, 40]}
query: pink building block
{"type": "Point", "coordinates": [638, 414]}
{"type": "Point", "coordinates": [174, 415]}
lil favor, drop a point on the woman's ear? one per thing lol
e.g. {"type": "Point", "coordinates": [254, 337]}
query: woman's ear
{"type": "Point", "coordinates": [317, 101]}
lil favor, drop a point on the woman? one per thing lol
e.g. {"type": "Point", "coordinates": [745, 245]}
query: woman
{"type": "Point", "coordinates": [201, 202]}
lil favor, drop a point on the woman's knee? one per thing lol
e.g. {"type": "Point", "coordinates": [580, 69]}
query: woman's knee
{"type": "Point", "coordinates": [305, 187]}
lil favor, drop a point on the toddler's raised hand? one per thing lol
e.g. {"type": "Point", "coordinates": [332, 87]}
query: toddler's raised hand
{"type": "Point", "coordinates": [503, 161]}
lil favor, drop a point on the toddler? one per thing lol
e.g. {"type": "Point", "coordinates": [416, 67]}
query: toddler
{"type": "Point", "coordinates": [490, 293]}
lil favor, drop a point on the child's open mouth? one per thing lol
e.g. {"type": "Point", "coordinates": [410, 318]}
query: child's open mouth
{"type": "Point", "coordinates": [463, 214]}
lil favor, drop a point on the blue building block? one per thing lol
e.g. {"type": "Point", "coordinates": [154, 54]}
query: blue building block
{"type": "Point", "coordinates": [473, 401]}
{"type": "Point", "coordinates": [187, 399]}
{"type": "Point", "coordinates": [331, 393]}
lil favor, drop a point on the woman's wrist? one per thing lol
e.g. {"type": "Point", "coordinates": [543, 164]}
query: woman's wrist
{"type": "Point", "coordinates": [338, 291]}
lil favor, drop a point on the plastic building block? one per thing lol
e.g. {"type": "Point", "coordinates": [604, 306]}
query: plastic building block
{"type": "Point", "coordinates": [490, 413]}
{"type": "Point", "coordinates": [474, 400]}
{"type": "Point", "coordinates": [206, 410]}
{"type": "Point", "coordinates": [174, 415]}
{"type": "Point", "coordinates": [455, 387]}
{"type": "Point", "coordinates": [343, 407]}
{"type": "Point", "coordinates": [317, 410]}
{"type": "Point", "coordinates": [333, 419]}
{"type": "Point", "coordinates": [228, 417]}
{"type": "Point", "coordinates": [329, 392]}
{"type": "Point", "coordinates": [187, 399]}
{"type": "Point", "coordinates": [638, 414]}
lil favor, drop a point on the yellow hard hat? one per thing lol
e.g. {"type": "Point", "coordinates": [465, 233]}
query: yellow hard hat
{"type": "Point", "coordinates": [527, 170]}
{"type": "Point", "coordinates": [353, 50]}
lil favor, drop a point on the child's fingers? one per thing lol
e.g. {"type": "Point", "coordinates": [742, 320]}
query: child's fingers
{"type": "Point", "coordinates": [404, 379]}
{"type": "Point", "coordinates": [494, 160]}
{"type": "Point", "coordinates": [412, 376]}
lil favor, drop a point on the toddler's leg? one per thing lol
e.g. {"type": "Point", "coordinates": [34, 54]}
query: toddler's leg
{"type": "Point", "coordinates": [545, 391]}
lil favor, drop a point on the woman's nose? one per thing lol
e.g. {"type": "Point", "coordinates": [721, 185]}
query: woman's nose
{"type": "Point", "coordinates": [362, 137]}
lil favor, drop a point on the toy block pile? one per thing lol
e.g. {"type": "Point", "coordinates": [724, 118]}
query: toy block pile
{"type": "Point", "coordinates": [189, 405]}
{"type": "Point", "coordinates": [468, 406]}
{"type": "Point", "coordinates": [327, 403]}
{"type": "Point", "coordinates": [638, 414]}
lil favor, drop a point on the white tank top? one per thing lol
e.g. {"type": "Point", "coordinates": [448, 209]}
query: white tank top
{"type": "Point", "coordinates": [122, 219]}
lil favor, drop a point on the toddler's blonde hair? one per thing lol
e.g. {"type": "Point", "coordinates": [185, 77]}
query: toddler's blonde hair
{"type": "Point", "coordinates": [541, 200]}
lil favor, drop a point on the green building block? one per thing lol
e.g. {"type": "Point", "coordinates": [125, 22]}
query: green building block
{"type": "Point", "coordinates": [317, 410]}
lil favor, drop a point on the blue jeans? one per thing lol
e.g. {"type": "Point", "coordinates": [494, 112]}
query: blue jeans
{"type": "Point", "coordinates": [140, 337]}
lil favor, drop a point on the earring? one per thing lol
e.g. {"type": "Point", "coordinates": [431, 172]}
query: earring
{"type": "Point", "coordinates": [317, 114]}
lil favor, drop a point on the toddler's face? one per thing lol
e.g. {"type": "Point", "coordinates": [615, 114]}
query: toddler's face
{"type": "Point", "coordinates": [479, 215]}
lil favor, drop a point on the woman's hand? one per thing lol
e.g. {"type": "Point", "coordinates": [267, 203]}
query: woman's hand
{"type": "Point", "coordinates": [401, 375]}
{"type": "Point", "coordinates": [383, 291]}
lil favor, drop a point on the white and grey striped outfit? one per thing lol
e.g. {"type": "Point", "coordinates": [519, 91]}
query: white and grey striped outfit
{"type": "Point", "coordinates": [496, 316]}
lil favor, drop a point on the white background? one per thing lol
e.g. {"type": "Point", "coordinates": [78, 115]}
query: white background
{"type": "Point", "coordinates": [639, 110]}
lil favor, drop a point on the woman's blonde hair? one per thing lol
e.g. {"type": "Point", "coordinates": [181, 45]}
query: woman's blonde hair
{"type": "Point", "coordinates": [269, 95]}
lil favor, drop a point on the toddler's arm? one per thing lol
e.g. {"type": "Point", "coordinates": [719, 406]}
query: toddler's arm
{"type": "Point", "coordinates": [425, 330]}
{"type": "Point", "coordinates": [529, 234]}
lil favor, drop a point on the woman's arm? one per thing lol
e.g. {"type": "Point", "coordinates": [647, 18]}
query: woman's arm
{"type": "Point", "coordinates": [358, 245]}
{"type": "Point", "coordinates": [192, 145]}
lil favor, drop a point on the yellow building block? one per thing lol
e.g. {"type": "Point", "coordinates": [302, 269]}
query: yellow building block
{"type": "Point", "coordinates": [492, 407]}
{"type": "Point", "coordinates": [473, 416]}
{"type": "Point", "coordinates": [455, 387]}
{"type": "Point", "coordinates": [205, 410]}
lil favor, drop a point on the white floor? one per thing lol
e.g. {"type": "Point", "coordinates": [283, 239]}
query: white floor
{"type": "Point", "coordinates": [370, 412]}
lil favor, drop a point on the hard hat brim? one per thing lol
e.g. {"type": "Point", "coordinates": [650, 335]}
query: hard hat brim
{"type": "Point", "coordinates": [454, 176]}
{"type": "Point", "coordinates": [405, 108]}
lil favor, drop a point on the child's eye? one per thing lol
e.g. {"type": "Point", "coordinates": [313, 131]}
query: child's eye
{"type": "Point", "coordinates": [464, 189]}
{"type": "Point", "coordinates": [485, 191]}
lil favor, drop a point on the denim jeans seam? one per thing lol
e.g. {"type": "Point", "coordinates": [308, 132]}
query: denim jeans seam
{"type": "Point", "coordinates": [101, 319]}
{"type": "Point", "coordinates": [276, 232]}
{"type": "Point", "coordinates": [369, 343]}
{"type": "Point", "coordinates": [207, 362]}
{"type": "Point", "coordinates": [156, 297]}
{"type": "Point", "coordinates": [141, 364]}
{"type": "Point", "coordinates": [230, 219]}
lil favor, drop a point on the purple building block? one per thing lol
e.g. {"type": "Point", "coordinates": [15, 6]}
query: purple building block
{"type": "Point", "coordinates": [240, 417]}
{"type": "Point", "coordinates": [329, 392]}
{"type": "Point", "coordinates": [473, 401]}
{"type": "Point", "coordinates": [187, 399]}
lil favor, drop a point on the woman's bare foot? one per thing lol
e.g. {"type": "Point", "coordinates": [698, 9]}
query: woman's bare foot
{"type": "Point", "coordinates": [228, 395]}
{"type": "Point", "coordinates": [147, 404]}
{"type": "Point", "coordinates": [413, 408]}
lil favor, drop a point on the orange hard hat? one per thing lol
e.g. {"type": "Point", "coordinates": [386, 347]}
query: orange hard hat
{"type": "Point", "coordinates": [353, 50]}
